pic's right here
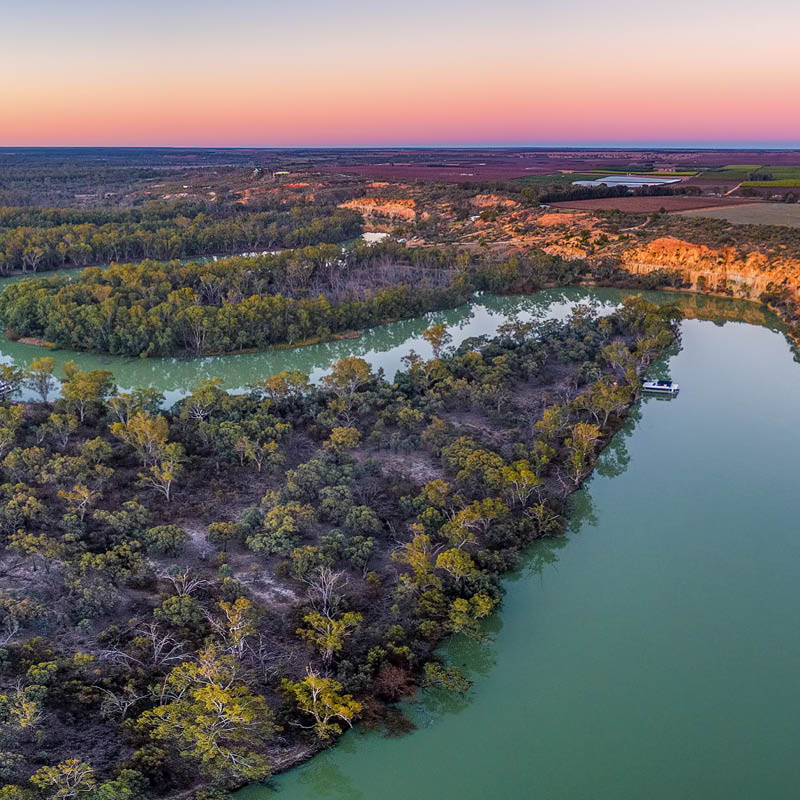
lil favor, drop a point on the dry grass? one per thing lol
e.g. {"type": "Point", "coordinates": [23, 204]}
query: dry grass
{"type": "Point", "coordinates": [787, 214]}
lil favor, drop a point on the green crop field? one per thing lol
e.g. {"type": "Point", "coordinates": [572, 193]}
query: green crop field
{"type": "Point", "coordinates": [730, 173]}
{"type": "Point", "coordinates": [784, 183]}
{"type": "Point", "coordinates": [556, 178]}
{"type": "Point", "coordinates": [654, 174]}
{"type": "Point", "coordinates": [780, 176]}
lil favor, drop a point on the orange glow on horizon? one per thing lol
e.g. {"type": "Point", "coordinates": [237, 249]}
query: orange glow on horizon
{"type": "Point", "coordinates": [468, 82]}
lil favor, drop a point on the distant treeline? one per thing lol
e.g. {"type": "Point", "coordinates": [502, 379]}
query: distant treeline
{"type": "Point", "coordinates": [34, 239]}
{"type": "Point", "coordinates": [556, 193]}
{"type": "Point", "coordinates": [243, 303]}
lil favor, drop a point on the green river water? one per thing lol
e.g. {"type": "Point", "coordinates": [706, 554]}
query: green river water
{"type": "Point", "coordinates": [653, 651]}
{"type": "Point", "coordinates": [383, 346]}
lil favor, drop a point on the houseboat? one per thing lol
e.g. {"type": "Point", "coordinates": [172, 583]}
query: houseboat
{"type": "Point", "coordinates": [661, 387]}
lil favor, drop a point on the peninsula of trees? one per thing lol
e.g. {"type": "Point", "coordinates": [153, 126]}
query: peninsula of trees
{"type": "Point", "coordinates": [194, 598]}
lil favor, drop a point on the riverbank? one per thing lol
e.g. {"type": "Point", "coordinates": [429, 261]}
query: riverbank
{"type": "Point", "coordinates": [649, 652]}
{"type": "Point", "coordinates": [414, 497]}
{"type": "Point", "coordinates": [552, 495]}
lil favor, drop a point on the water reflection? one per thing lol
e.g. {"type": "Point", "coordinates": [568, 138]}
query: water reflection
{"type": "Point", "coordinates": [328, 780]}
{"type": "Point", "coordinates": [581, 512]}
{"type": "Point", "coordinates": [383, 346]}
{"type": "Point", "coordinates": [541, 555]}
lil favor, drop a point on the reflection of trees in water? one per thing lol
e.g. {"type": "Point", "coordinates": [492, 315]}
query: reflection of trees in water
{"type": "Point", "coordinates": [542, 553]}
{"type": "Point", "coordinates": [382, 344]}
{"type": "Point", "coordinates": [437, 702]}
{"type": "Point", "coordinates": [580, 511]}
{"type": "Point", "coordinates": [614, 460]}
{"type": "Point", "coordinates": [473, 657]}
{"type": "Point", "coordinates": [322, 778]}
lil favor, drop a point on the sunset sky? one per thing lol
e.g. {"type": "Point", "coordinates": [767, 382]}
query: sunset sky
{"type": "Point", "coordinates": [421, 72]}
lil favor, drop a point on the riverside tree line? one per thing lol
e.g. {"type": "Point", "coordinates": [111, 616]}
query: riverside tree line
{"type": "Point", "coordinates": [39, 239]}
{"type": "Point", "coordinates": [243, 303]}
{"type": "Point", "coordinates": [194, 598]}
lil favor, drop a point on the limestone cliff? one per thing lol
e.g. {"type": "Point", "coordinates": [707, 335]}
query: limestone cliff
{"type": "Point", "coordinates": [386, 207]}
{"type": "Point", "coordinates": [724, 270]}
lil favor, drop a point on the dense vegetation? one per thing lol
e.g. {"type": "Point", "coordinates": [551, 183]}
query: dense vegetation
{"type": "Point", "coordinates": [101, 176]}
{"type": "Point", "coordinates": [201, 596]}
{"type": "Point", "coordinates": [241, 303]}
{"type": "Point", "coordinates": [33, 239]}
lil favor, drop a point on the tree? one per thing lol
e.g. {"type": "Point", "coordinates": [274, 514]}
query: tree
{"type": "Point", "coordinates": [521, 481]}
{"type": "Point", "coordinates": [554, 422]}
{"type": "Point", "coordinates": [479, 470]}
{"type": "Point", "coordinates": [474, 519]}
{"type": "Point", "coordinates": [214, 719]}
{"type": "Point", "coordinates": [327, 634]}
{"type": "Point", "coordinates": [205, 397]}
{"type": "Point", "coordinates": [146, 434]}
{"type": "Point", "coordinates": [166, 539]}
{"type": "Point", "coordinates": [282, 526]}
{"type": "Point", "coordinates": [342, 439]}
{"type": "Point", "coordinates": [362, 520]}
{"type": "Point", "coordinates": [456, 562]}
{"type": "Point", "coordinates": [79, 499]}
{"type": "Point", "coordinates": [418, 554]}
{"type": "Point", "coordinates": [288, 385]}
{"type": "Point", "coordinates": [464, 614]}
{"type": "Point", "coordinates": [602, 400]}
{"type": "Point", "coordinates": [547, 521]}
{"type": "Point", "coordinates": [11, 419]}
{"type": "Point", "coordinates": [320, 698]}
{"type": "Point", "coordinates": [181, 611]}
{"type": "Point", "coordinates": [167, 469]}
{"type": "Point", "coordinates": [70, 778]}
{"type": "Point", "coordinates": [220, 533]}
{"type": "Point", "coordinates": [239, 620]}
{"type": "Point", "coordinates": [60, 427]}
{"type": "Point", "coordinates": [83, 391]}
{"type": "Point", "coordinates": [125, 404]}
{"type": "Point", "coordinates": [11, 379]}
{"type": "Point", "coordinates": [258, 453]}
{"type": "Point", "coordinates": [40, 378]}
{"type": "Point", "coordinates": [580, 444]}
{"type": "Point", "coordinates": [346, 377]}
{"type": "Point", "coordinates": [438, 337]}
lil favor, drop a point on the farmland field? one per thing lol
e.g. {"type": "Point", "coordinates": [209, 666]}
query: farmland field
{"type": "Point", "coordinates": [777, 175]}
{"type": "Point", "coordinates": [635, 205]}
{"type": "Point", "coordinates": [754, 214]}
{"type": "Point", "coordinates": [558, 178]}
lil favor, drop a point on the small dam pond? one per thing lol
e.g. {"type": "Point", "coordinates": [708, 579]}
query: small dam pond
{"type": "Point", "coordinates": [653, 651]}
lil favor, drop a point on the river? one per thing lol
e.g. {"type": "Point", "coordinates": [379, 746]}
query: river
{"type": "Point", "coordinates": [653, 651]}
{"type": "Point", "coordinates": [383, 346]}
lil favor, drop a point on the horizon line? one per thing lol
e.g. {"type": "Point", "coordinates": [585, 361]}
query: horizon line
{"type": "Point", "coordinates": [590, 146]}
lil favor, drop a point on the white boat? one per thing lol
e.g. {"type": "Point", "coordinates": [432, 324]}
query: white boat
{"type": "Point", "coordinates": [661, 387]}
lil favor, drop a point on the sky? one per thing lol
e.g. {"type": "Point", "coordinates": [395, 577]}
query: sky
{"type": "Point", "coordinates": [417, 73]}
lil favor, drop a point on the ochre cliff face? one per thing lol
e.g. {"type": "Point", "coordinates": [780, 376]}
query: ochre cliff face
{"type": "Point", "coordinates": [394, 208]}
{"type": "Point", "coordinates": [715, 270]}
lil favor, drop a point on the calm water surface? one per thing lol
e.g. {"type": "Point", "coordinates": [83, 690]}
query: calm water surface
{"type": "Point", "coordinates": [383, 346]}
{"type": "Point", "coordinates": [654, 651]}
